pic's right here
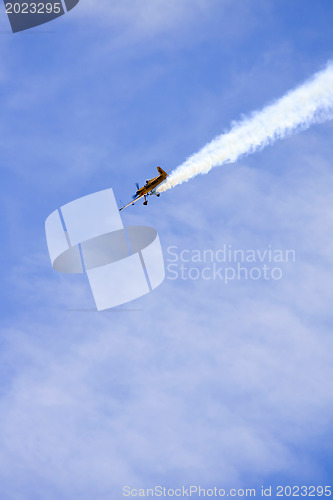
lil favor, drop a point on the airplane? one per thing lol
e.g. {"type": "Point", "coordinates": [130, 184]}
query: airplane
{"type": "Point", "coordinates": [148, 189]}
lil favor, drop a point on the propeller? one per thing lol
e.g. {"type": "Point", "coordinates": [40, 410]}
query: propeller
{"type": "Point", "coordinates": [137, 187]}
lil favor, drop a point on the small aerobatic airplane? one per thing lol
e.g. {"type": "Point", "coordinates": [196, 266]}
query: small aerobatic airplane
{"type": "Point", "coordinates": [148, 189]}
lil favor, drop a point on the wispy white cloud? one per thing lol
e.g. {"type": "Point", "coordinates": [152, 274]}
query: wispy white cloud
{"type": "Point", "coordinates": [145, 15]}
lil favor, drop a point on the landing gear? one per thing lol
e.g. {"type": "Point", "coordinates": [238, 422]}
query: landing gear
{"type": "Point", "coordinates": [146, 201]}
{"type": "Point", "coordinates": [158, 195]}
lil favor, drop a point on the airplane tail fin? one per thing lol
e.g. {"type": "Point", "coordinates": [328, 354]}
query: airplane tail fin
{"type": "Point", "coordinates": [161, 171]}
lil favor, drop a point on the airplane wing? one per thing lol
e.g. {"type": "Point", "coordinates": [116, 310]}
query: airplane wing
{"type": "Point", "coordinates": [131, 203]}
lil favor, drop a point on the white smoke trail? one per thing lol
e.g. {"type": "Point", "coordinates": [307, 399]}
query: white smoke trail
{"type": "Point", "coordinates": [310, 103]}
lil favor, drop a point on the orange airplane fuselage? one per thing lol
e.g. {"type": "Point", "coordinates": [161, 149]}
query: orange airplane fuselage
{"type": "Point", "coordinates": [152, 183]}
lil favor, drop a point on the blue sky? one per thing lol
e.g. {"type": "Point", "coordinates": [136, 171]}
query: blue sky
{"type": "Point", "coordinates": [198, 382]}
